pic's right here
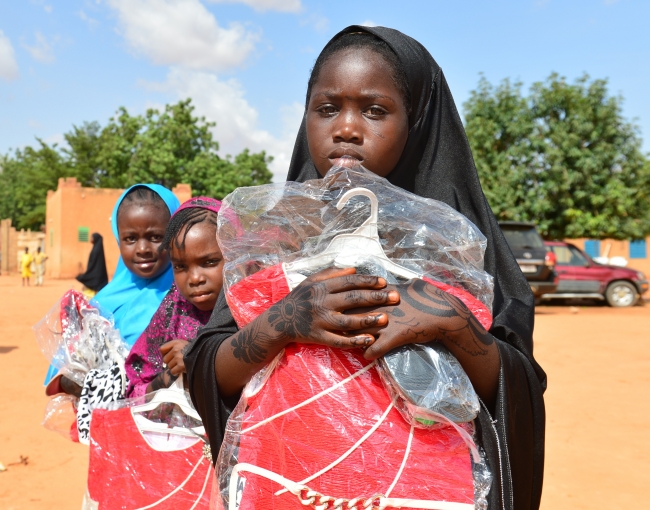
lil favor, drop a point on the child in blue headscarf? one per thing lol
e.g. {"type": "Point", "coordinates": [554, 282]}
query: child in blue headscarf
{"type": "Point", "coordinates": [143, 276]}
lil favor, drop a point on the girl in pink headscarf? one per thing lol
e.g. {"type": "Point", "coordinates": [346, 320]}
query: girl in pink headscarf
{"type": "Point", "coordinates": [156, 359]}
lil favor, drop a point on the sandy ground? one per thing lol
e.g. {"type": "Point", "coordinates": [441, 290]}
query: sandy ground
{"type": "Point", "coordinates": [598, 417]}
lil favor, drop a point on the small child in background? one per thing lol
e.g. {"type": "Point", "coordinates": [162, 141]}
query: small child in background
{"type": "Point", "coordinates": [156, 359]}
{"type": "Point", "coordinates": [39, 263]}
{"type": "Point", "coordinates": [26, 261]}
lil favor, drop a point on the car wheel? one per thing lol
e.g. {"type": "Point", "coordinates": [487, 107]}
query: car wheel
{"type": "Point", "coordinates": [621, 294]}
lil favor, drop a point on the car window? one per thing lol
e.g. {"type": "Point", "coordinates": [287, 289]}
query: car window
{"type": "Point", "coordinates": [569, 256]}
{"type": "Point", "coordinates": [518, 238]}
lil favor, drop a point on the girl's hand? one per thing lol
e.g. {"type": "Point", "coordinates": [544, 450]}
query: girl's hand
{"type": "Point", "coordinates": [314, 312]}
{"type": "Point", "coordinates": [70, 387]}
{"type": "Point", "coordinates": [425, 314]}
{"type": "Point", "coordinates": [172, 352]}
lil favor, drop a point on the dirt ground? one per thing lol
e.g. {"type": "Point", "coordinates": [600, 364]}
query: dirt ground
{"type": "Point", "coordinates": [598, 413]}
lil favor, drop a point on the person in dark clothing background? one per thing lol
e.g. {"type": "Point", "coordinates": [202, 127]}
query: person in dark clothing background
{"type": "Point", "coordinates": [411, 134]}
{"type": "Point", "coordinates": [96, 277]}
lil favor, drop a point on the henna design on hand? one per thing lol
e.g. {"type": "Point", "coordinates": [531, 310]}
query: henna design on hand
{"type": "Point", "coordinates": [430, 299]}
{"type": "Point", "coordinates": [163, 380]}
{"type": "Point", "coordinates": [293, 316]}
{"type": "Point", "coordinates": [247, 346]}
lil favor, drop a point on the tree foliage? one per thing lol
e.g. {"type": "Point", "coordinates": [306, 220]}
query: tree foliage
{"type": "Point", "coordinates": [563, 157]}
{"type": "Point", "coordinates": [168, 148]}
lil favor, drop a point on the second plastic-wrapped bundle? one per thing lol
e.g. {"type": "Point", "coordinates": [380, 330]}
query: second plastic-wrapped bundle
{"type": "Point", "coordinates": [85, 347]}
{"type": "Point", "coordinates": [319, 427]}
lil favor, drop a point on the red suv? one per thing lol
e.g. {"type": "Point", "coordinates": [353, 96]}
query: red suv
{"type": "Point", "coordinates": [581, 277]}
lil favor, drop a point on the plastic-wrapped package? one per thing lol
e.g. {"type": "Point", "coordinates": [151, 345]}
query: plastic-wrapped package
{"type": "Point", "coordinates": [84, 346]}
{"type": "Point", "coordinates": [264, 225]}
{"type": "Point", "coordinates": [318, 427]}
{"type": "Point", "coordinates": [76, 338]}
{"type": "Point", "coordinates": [149, 452]}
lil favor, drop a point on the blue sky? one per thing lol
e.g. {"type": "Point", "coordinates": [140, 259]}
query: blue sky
{"type": "Point", "coordinates": [245, 63]}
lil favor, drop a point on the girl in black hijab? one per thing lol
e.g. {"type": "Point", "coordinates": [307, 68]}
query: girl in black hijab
{"type": "Point", "coordinates": [95, 278]}
{"type": "Point", "coordinates": [378, 97]}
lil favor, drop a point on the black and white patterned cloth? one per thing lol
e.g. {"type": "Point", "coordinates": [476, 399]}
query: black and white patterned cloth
{"type": "Point", "coordinates": [100, 388]}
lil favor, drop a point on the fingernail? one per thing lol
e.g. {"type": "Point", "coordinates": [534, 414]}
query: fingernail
{"type": "Point", "coordinates": [393, 295]}
{"type": "Point", "coordinates": [381, 281]}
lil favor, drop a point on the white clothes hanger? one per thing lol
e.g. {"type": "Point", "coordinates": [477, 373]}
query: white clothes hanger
{"type": "Point", "coordinates": [175, 394]}
{"type": "Point", "coordinates": [345, 249]}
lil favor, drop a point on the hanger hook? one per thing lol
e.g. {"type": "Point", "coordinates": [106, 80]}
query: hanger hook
{"type": "Point", "coordinates": [369, 227]}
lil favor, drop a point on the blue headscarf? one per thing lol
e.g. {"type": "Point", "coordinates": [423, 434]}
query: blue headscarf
{"type": "Point", "coordinates": [130, 299]}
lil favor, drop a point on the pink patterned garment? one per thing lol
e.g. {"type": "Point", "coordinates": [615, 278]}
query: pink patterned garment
{"type": "Point", "coordinates": [175, 319]}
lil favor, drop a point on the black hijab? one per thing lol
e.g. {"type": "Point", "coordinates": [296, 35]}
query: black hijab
{"type": "Point", "coordinates": [95, 277]}
{"type": "Point", "coordinates": [436, 163]}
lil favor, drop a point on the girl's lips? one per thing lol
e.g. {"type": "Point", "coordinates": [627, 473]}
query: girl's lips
{"type": "Point", "coordinates": [346, 161]}
{"type": "Point", "coordinates": [200, 297]}
{"type": "Point", "coordinates": [146, 265]}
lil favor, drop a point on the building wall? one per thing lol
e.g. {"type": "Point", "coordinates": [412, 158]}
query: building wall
{"type": "Point", "coordinates": [8, 246]}
{"type": "Point", "coordinates": [612, 248]}
{"type": "Point", "coordinates": [31, 241]}
{"type": "Point", "coordinates": [72, 206]}
{"type": "Point", "coordinates": [13, 244]}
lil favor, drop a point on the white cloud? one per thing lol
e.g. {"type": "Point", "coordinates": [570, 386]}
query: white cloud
{"type": "Point", "coordinates": [224, 102]}
{"type": "Point", "coordinates": [43, 51]}
{"type": "Point", "coordinates": [8, 66]}
{"type": "Point", "coordinates": [266, 5]}
{"type": "Point", "coordinates": [182, 33]}
{"type": "Point", "coordinates": [91, 21]}
{"type": "Point", "coordinates": [368, 23]}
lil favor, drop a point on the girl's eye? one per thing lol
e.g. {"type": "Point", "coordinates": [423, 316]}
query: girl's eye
{"type": "Point", "coordinates": [178, 267]}
{"type": "Point", "coordinates": [156, 239]}
{"type": "Point", "coordinates": [326, 109]}
{"type": "Point", "coordinates": [129, 239]}
{"type": "Point", "coordinates": [376, 111]}
{"type": "Point", "coordinates": [212, 262]}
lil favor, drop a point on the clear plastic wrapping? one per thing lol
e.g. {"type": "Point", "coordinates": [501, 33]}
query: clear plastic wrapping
{"type": "Point", "coordinates": [429, 384]}
{"type": "Point", "coordinates": [60, 415]}
{"type": "Point", "coordinates": [75, 337]}
{"type": "Point", "coordinates": [324, 426]}
{"type": "Point", "coordinates": [262, 226]}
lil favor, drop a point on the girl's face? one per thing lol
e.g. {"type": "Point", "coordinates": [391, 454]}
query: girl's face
{"type": "Point", "coordinates": [198, 268]}
{"type": "Point", "coordinates": [356, 110]}
{"type": "Point", "coordinates": [141, 228]}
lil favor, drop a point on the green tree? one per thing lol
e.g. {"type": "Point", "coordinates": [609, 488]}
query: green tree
{"type": "Point", "coordinates": [83, 151]}
{"type": "Point", "coordinates": [563, 157]}
{"type": "Point", "coordinates": [25, 178]}
{"type": "Point", "coordinates": [167, 148]}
